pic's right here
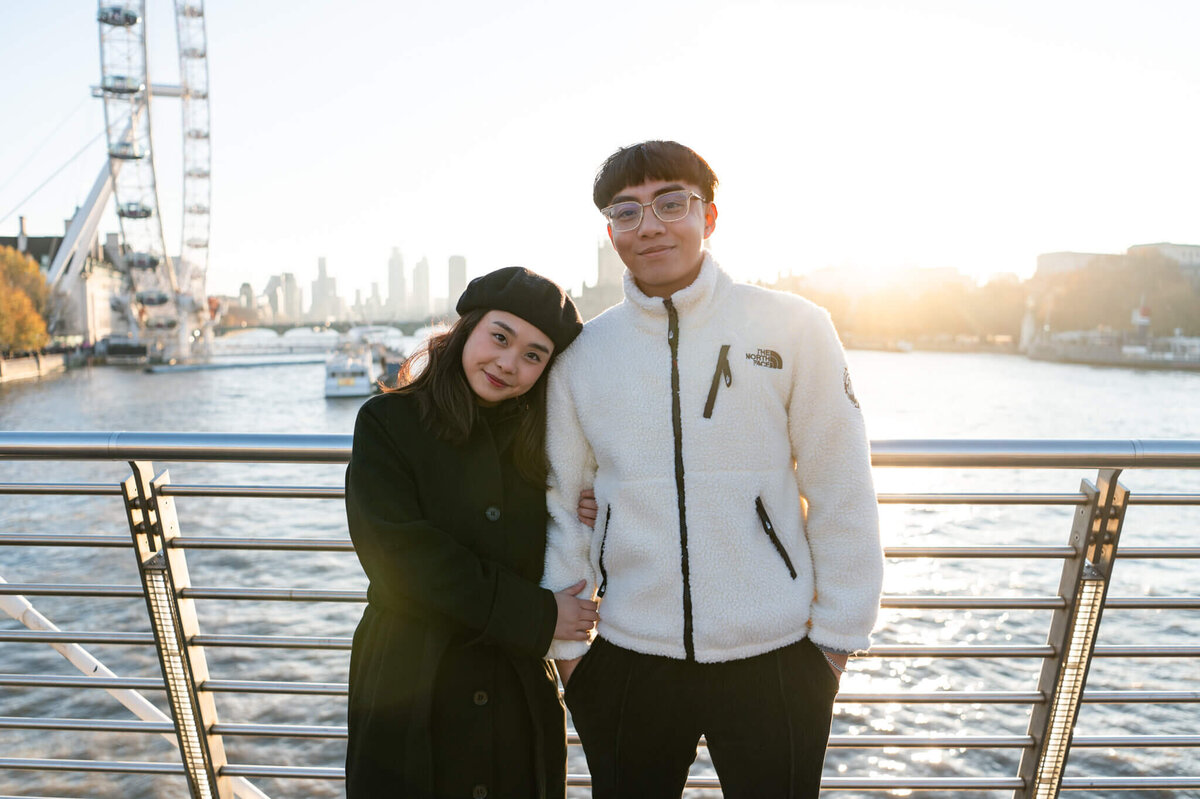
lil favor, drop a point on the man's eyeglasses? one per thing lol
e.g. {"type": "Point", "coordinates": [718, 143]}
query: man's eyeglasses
{"type": "Point", "coordinates": [669, 207]}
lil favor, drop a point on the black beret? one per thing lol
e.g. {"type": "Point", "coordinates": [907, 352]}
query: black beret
{"type": "Point", "coordinates": [528, 295]}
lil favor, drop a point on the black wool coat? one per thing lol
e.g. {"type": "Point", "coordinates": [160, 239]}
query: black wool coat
{"type": "Point", "coordinates": [449, 692]}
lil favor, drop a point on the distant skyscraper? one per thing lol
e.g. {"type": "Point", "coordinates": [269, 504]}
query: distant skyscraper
{"type": "Point", "coordinates": [609, 267]}
{"type": "Point", "coordinates": [420, 306]}
{"type": "Point", "coordinates": [458, 279]}
{"type": "Point", "coordinates": [397, 294]}
{"type": "Point", "coordinates": [325, 305]}
{"type": "Point", "coordinates": [608, 290]}
{"type": "Point", "coordinates": [275, 298]}
{"type": "Point", "coordinates": [246, 296]}
{"type": "Point", "coordinates": [293, 298]}
{"type": "Point", "coordinates": [374, 305]}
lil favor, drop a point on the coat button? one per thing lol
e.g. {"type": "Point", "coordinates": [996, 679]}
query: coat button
{"type": "Point", "coordinates": [481, 698]}
{"type": "Point", "coordinates": [492, 514]}
{"type": "Point", "coordinates": [480, 792]}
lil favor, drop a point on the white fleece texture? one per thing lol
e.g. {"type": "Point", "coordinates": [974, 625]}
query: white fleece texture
{"type": "Point", "coordinates": [610, 427]}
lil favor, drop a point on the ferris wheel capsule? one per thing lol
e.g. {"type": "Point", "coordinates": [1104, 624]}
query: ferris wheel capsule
{"type": "Point", "coordinates": [126, 151]}
{"type": "Point", "coordinates": [118, 15]}
{"type": "Point", "coordinates": [134, 210]}
{"type": "Point", "coordinates": [152, 298]}
{"type": "Point", "coordinates": [122, 84]}
{"type": "Point", "coordinates": [141, 260]}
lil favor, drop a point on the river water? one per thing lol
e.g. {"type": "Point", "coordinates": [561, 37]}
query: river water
{"type": "Point", "coordinates": [904, 395]}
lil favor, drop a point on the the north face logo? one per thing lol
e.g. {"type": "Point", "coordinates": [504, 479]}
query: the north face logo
{"type": "Point", "coordinates": [767, 358]}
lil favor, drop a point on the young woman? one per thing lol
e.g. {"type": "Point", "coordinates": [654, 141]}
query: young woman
{"type": "Point", "coordinates": [445, 496]}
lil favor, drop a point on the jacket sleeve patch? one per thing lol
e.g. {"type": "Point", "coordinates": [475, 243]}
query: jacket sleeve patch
{"type": "Point", "coordinates": [849, 388]}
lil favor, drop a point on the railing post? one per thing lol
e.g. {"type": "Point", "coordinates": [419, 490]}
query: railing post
{"type": "Point", "coordinates": [153, 524]}
{"type": "Point", "coordinates": [1084, 586]}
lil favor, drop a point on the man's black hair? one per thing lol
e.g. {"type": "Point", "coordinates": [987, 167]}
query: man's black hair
{"type": "Point", "coordinates": [652, 160]}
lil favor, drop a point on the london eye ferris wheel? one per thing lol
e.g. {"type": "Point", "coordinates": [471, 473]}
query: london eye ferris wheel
{"type": "Point", "coordinates": [166, 296]}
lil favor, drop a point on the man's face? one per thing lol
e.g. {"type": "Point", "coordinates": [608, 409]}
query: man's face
{"type": "Point", "coordinates": [663, 257]}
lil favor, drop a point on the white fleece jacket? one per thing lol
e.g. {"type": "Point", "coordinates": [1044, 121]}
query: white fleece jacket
{"type": "Point", "coordinates": [759, 416]}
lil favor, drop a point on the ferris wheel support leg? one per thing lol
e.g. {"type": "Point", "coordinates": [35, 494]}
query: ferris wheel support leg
{"type": "Point", "coordinates": [184, 332]}
{"type": "Point", "coordinates": [82, 230]}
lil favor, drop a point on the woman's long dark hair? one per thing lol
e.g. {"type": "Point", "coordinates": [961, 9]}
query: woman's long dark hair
{"type": "Point", "coordinates": [434, 377]}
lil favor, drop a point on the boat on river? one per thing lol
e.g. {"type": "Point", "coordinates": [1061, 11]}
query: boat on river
{"type": "Point", "coordinates": [351, 371]}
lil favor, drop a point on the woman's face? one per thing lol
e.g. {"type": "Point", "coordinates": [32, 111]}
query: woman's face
{"type": "Point", "coordinates": [504, 356]}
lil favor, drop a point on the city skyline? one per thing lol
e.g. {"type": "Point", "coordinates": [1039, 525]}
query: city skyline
{"type": "Point", "coordinates": [406, 300]}
{"type": "Point", "coordinates": [856, 134]}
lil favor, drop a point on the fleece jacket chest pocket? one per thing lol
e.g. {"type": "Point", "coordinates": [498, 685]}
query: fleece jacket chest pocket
{"type": "Point", "coordinates": [721, 374]}
{"type": "Point", "coordinates": [763, 369]}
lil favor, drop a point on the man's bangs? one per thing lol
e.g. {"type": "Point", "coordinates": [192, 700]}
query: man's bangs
{"type": "Point", "coordinates": [654, 160]}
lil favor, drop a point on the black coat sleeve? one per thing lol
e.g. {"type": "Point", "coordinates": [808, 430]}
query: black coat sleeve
{"type": "Point", "coordinates": [417, 565]}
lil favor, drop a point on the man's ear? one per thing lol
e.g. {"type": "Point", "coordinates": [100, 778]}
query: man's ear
{"type": "Point", "coordinates": [608, 227]}
{"type": "Point", "coordinates": [710, 219]}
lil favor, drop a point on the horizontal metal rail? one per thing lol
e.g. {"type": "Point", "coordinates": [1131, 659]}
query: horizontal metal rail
{"type": "Point", "coordinates": [233, 543]}
{"type": "Point", "coordinates": [47, 540]}
{"type": "Point", "coordinates": [1127, 553]}
{"type": "Point", "coordinates": [1027, 499]}
{"type": "Point", "coordinates": [256, 492]}
{"type": "Point", "coordinates": [62, 489]}
{"type": "Point", "coordinates": [276, 595]}
{"type": "Point", "coordinates": [230, 543]}
{"type": "Point", "coordinates": [1036, 454]}
{"type": "Point", "coordinates": [71, 681]}
{"type": "Point", "coordinates": [86, 725]}
{"type": "Point", "coordinates": [357, 596]}
{"type": "Point", "coordinates": [981, 499]}
{"type": "Point", "coordinates": [93, 766]}
{"type": "Point", "coordinates": [293, 448]}
{"type": "Point", "coordinates": [844, 697]}
{"type": "Point", "coordinates": [335, 642]}
{"type": "Point", "coordinates": [76, 637]}
{"type": "Point", "coordinates": [286, 772]}
{"type": "Point", "coordinates": [175, 447]}
{"type": "Point", "coordinates": [583, 780]}
{"type": "Point", "coordinates": [835, 741]}
{"type": "Point", "coordinates": [265, 544]}
{"type": "Point", "coordinates": [336, 492]}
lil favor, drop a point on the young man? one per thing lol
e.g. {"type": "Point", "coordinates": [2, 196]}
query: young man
{"type": "Point", "coordinates": [736, 551]}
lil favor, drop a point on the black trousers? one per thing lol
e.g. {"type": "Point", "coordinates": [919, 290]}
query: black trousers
{"type": "Point", "coordinates": [766, 719]}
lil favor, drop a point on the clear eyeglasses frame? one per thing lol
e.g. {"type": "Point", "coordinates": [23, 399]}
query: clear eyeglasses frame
{"type": "Point", "coordinates": [669, 207]}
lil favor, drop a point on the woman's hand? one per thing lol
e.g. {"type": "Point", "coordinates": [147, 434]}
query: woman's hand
{"type": "Point", "coordinates": [576, 617]}
{"type": "Point", "coordinates": [588, 508]}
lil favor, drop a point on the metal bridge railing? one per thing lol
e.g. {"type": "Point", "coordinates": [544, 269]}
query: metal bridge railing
{"type": "Point", "coordinates": [159, 548]}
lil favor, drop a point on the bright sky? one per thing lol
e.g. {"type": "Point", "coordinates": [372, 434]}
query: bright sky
{"type": "Point", "coordinates": [862, 133]}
